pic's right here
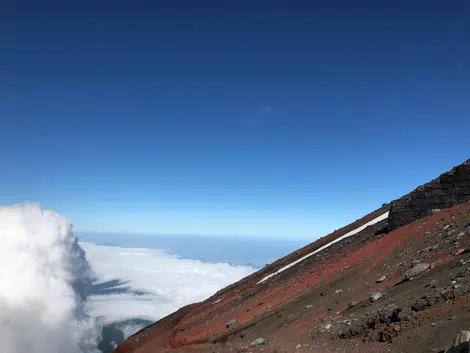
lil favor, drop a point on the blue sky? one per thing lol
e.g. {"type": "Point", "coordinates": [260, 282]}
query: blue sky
{"type": "Point", "coordinates": [287, 118]}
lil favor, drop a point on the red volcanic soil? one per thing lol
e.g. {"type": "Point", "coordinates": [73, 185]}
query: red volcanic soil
{"type": "Point", "coordinates": [323, 303]}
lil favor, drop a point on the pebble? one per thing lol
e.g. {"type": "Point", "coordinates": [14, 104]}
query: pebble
{"type": "Point", "coordinates": [461, 343]}
{"type": "Point", "coordinates": [461, 251]}
{"type": "Point", "coordinates": [416, 270]}
{"type": "Point", "coordinates": [462, 336]}
{"type": "Point", "coordinates": [375, 296]}
{"type": "Point", "coordinates": [258, 342]}
{"type": "Point", "coordinates": [230, 323]}
{"type": "Point", "coordinates": [381, 279]}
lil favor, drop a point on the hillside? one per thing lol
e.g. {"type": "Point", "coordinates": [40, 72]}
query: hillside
{"type": "Point", "coordinates": [396, 280]}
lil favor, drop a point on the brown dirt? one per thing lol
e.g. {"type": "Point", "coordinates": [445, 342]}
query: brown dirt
{"type": "Point", "coordinates": [322, 304]}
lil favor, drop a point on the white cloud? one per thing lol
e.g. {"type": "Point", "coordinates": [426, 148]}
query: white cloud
{"type": "Point", "coordinates": [150, 284]}
{"type": "Point", "coordinates": [49, 302]}
{"type": "Point", "coordinates": [44, 280]}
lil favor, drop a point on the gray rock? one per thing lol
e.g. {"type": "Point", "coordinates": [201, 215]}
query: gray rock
{"type": "Point", "coordinates": [462, 336]}
{"type": "Point", "coordinates": [461, 251]}
{"type": "Point", "coordinates": [461, 343]}
{"type": "Point", "coordinates": [416, 270]}
{"type": "Point", "coordinates": [461, 348]}
{"type": "Point", "coordinates": [258, 342]}
{"type": "Point", "coordinates": [403, 315]}
{"type": "Point", "coordinates": [381, 279]}
{"type": "Point", "coordinates": [230, 323]}
{"type": "Point", "coordinates": [375, 296]}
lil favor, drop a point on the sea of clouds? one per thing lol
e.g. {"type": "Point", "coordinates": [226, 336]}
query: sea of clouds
{"type": "Point", "coordinates": [61, 296]}
{"type": "Point", "coordinates": [138, 286]}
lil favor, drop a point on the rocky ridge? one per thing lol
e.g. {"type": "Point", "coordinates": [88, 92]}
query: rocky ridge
{"type": "Point", "coordinates": [449, 189]}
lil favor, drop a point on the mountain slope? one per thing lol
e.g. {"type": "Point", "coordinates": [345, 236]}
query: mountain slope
{"type": "Point", "coordinates": [319, 297]}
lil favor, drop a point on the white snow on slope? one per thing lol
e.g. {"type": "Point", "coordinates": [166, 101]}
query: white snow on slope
{"type": "Point", "coordinates": [357, 230]}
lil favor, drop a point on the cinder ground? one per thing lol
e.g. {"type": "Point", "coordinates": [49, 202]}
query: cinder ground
{"type": "Point", "coordinates": [323, 303]}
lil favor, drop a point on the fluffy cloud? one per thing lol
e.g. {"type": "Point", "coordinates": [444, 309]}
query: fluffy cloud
{"type": "Point", "coordinates": [149, 284]}
{"type": "Point", "coordinates": [51, 302]}
{"type": "Point", "coordinates": [45, 279]}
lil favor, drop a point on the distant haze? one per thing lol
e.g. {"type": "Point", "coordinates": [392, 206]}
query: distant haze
{"type": "Point", "coordinates": [252, 251]}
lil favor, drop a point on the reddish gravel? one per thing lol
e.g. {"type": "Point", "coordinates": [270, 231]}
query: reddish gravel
{"type": "Point", "coordinates": [322, 304]}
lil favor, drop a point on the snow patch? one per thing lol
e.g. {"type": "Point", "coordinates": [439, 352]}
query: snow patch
{"type": "Point", "coordinates": [357, 230]}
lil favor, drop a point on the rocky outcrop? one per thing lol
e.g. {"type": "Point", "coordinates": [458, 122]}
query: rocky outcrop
{"type": "Point", "coordinates": [449, 189]}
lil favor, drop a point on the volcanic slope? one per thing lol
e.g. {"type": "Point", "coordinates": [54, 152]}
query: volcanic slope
{"type": "Point", "coordinates": [396, 280]}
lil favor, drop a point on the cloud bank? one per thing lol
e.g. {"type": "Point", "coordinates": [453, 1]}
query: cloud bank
{"type": "Point", "coordinates": [45, 279]}
{"type": "Point", "coordinates": [52, 302]}
{"type": "Point", "coordinates": [148, 284]}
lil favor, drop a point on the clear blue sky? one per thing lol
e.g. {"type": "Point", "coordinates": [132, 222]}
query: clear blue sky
{"type": "Point", "coordinates": [285, 118]}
